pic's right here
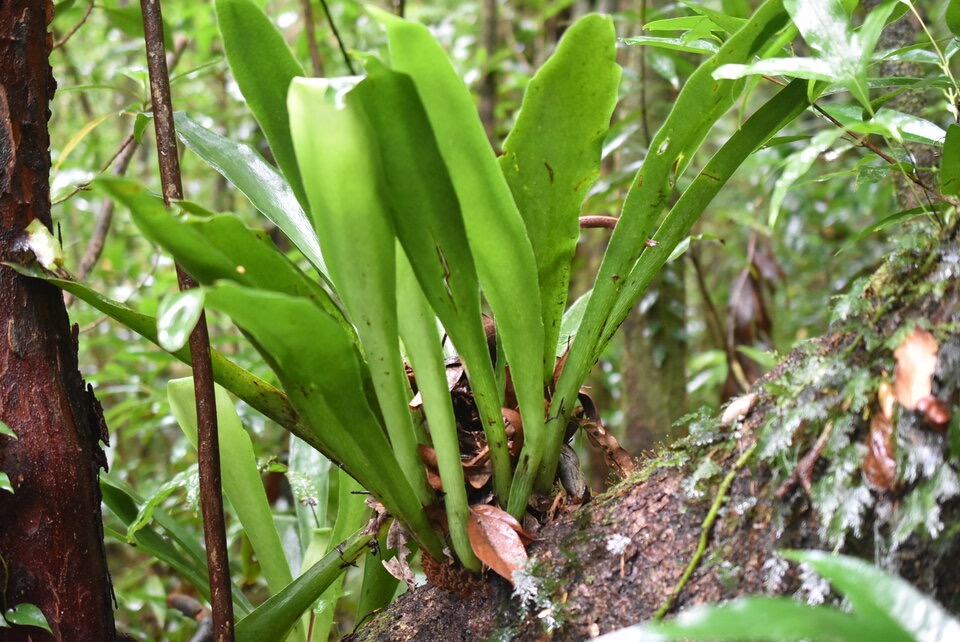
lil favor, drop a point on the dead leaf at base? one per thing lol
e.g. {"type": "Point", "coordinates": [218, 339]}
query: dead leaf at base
{"type": "Point", "coordinates": [495, 536]}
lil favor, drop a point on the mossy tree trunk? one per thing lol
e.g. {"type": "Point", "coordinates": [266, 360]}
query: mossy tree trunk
{"type": "Point", "coordinates": [51, 538]}
{"type": "Point", "coordinates": [619, 559]}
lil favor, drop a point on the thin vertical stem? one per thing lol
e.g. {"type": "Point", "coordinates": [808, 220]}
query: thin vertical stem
{"type": "Point", "coordinates": [208, 447]}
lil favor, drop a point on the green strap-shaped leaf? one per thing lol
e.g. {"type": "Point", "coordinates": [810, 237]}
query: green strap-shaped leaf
{"type": "Point", "coordinates": [701, 102]}
{"type": "Point", "coordinates": [241, 480]}
{"type": "Point", "coordinates": [552, 155]}
{"type": "Point", "coordinates": [887, 600]}
{"type": "Point", "coordinates": [426, 219]}
{"type": "Point", "coordinates": [776, 113]}
{"type": "Point", "coordinates": [275, 617]}
{"type": "Point", "coordinates": [768, 619]}
{"type": "Point", "coordinates": [322, 372]}
{"type": "Point", "coordinates": [419, 330]}
{"type": "Point", "coordinates": [342, 175]}
{"type": "Point", "coordinates": [504, 257]}
{"type": "Point", "coordinates": [219, 247]}
{"type": "Point", "coordinates": [950, 162]}
{"type": "Point", "coordinates": [259, 181]}
{"type": "Point", "coordinates": [263, 67]}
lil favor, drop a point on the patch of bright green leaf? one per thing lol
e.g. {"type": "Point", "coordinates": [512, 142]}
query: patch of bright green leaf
{"type": "Point", "coordinates": [259, 181]}
{"type": "Point", "coordinates": [27, 614]}
{"type": "Point", "coordinates": [263, 67]}
{"type": "Point", "coordinates": [950, 162]}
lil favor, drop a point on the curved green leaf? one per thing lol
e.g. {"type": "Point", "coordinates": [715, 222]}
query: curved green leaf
{"type": "Point", "coordinates": [700, 104]}
{"type": "Point", "coordinates": [552, 155]}
{"type": "Point", "coordinates": [27, 615]}
{"type": "Point", "coordinates": [342, 175]}
{"type": "Point", "coordinates": [426, 219]}
{"type": "Point", "coordinates": [419, 330]}
{"type": "Point", "coordinates": [263, 67]}
{"type": "Point", "coordinates": [273, 619]}
{"type": "Point", "coordinates": [177, 316]}
{"type": "Point", "coordinates": [768, 619]}
{"type": "Point", "coordinates": [504, 257]}
{"type": "Point", "coordinates": [241, 478]}
{"type": "Point", "coordinates": [882, 598]}
{"type": "Point", "coordinates": [258, 180]}
{"type": "Point", "coordinates": [322, 372]}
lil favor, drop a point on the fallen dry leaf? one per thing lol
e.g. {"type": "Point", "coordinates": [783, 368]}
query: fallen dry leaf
{"type": "Point", "coordinates": [916, 363]}
{"type": "Point", "coordinates": [880, 464]}
{"type": "Point", "coordinates": [495, 538]}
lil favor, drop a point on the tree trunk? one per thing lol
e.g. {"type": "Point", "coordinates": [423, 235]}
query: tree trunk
{"type": "Point", "coordinates": [618, 559]}
{"type": "Point", "coordinates": [51, 534]}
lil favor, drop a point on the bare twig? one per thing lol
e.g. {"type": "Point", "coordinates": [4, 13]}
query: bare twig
{"type": "Point", "coordinates": [97, 239]}
{"type": "Point", "coordinates": [587, 222]}
{"type": "Point", "coordinates": [86, 14]}
{"type": "Point", "coordinates": [336, 34]}
{"type": "Point", "coordinates": [311, 32]}
{"type": "Point", "coordinates": [488, 84]}
{"type": "Point", "coordinates": [208, 448]}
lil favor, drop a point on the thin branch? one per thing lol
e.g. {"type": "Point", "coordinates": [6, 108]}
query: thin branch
{"type": "Point", "coordinates": [336, 34]}
{"type": "Point", "coordinates": [86, 14]}
{"type": "Point", "coordinates": [97, 239]}
{"type": "Point", "coordinates": [588, 222]}
{"type": "Point", "coordinates": [311, 32]}
{"type": "Point", "coordinates": [208, 447]}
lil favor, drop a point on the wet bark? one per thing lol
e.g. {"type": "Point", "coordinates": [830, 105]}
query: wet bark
{"type": "Point", "coordinates": [51, 539]}
{"type": "Point", "coordinates": [587, 586]}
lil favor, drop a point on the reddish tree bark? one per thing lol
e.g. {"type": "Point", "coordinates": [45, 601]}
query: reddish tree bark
{"type": "Point", "coordinates": [51, 535]}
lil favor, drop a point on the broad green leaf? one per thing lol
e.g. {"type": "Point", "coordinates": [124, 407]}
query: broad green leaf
{"type": "Point", "coordinates": [725, 19]}
{"type": "Point", "coordinates": [552, 156]}
{"type": "Point", "coordinates": [5, 482]}
{"type": "Point", "coordinates": [700, 104]}
{"type": "Point", "coordinates": [419, 331]}
{"type": "Point", "coordinates": [825, 26]}
{"type": "Point", "coordinates": [177, 316]}
{"type": "Point", "coordinates": [258, 180]}
{"type": "Point", "coordinates": [6, 431]}
{"type": "Point", "coordinates": [219, 247]}
{"type": "Point", "coordinates": [258, 393]}
{"type": "Point", "coordinates": [953, 17]}
{"type": "Point", "coordinates": [773, 619]}
{"type": "Point", "coordinates": [129, 20]}
{"type": "Point", "coordinates": [241, 479]}
{"type": "Point", "coordinates": [322, 372]}
{"type": "Point", "coordinates": [950, 162]}
{"type": "Point", "coordinates": [378, 587]}
{"type": "Point", "coordinates": [263, 67]}
{"type": "Point", "coordinates": [426, 219]}
{"type": "Point", "coordinates": [27, 615]}
{"type": "Point", "coordinates": [504, 257]}
{"type": "Point", "coordinates": [809, 68]}
{"type": "Point", "coordinates": [343, 185]}
{"type": "Point", "coordinates": [278, 615]}
{"type": "Point", "coordinates": [887, 122]}
{"type": "Point", "coordinates": [570, 324]}
{"type": "Point", "coordinates": [884, 599]}
{"type": "Point", "coordinates": [674, 44]}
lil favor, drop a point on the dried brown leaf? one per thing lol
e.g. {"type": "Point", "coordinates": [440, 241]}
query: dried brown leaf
{"type": "Point", "coordinates": [879, 464]}
{"type": "Point", "coordinates": [495, 538]}
{"type": "Point", "coordinates": [916, 363]}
